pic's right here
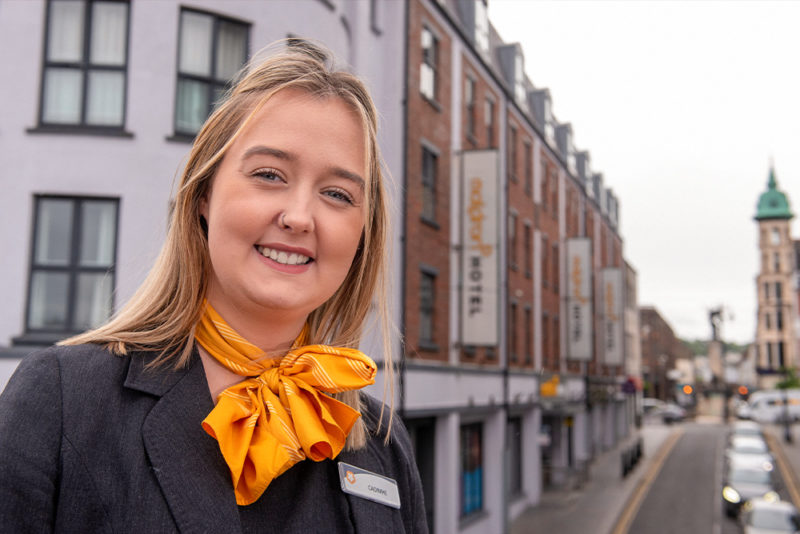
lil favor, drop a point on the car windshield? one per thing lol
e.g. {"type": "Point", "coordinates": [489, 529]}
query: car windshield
{"type": "Point", "coordinates": [749, 447]}
{"type": "Point", "coordinates": [773, 519]}
{"type": "Point", "coordinates": [749, 476]}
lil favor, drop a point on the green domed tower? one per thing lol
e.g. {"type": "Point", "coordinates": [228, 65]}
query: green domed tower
{"type": "Point", "coordinates": [776, 313]}
{"type": "Point", "coordinates": [773, 204]}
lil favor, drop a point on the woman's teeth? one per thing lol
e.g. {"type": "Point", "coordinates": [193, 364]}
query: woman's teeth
{"type": "Point", "coordinates": [283, 257]}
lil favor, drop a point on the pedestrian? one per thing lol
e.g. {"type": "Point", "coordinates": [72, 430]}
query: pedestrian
{"type": "Point", "coordinates": [224, 396]}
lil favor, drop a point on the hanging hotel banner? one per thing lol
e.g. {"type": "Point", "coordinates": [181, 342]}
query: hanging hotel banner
{"type": "Point", "coordinates": [612, 316]}
{"type": "Point", "coordinates": [579, 299]}
{"type": "Point", "coordinates": [479, 255]}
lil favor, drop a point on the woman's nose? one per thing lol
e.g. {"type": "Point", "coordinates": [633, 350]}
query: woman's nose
{"type": "Point", "coordinates": [298, 215]}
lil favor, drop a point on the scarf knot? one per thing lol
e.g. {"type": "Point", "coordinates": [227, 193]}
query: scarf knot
{"type": "Point", "coordinates": [282, 414]}
{"type": "Point", "coordinates": [271, 379]}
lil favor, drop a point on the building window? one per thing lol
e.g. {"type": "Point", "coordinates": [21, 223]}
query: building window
{"type": "Point", "coordinates": [514, 429]}
{"type": "Point", "coordinates": [481, 26]}
{"type": "Point", "coordinates": [519, 82]}
{"type": "Point", "coordinates": [512, 239]}
{"type": "Point", "coordinates": [554, 339]}
{"type": "Point", "coordinates": [778, 291]}
{"type": "Point", "coordinates": [471, 469]}
{"type": "Point", "coordinates": [512, 332]}
{"type": "Point", "coordinates": [528, 241]}
{"type": "Point", "coordinates": [775, 237]}
{"type": "Point", "coordinates": [211, 51]}
{"type": "Point", "coordinates": [781, 356]}
{"type": "Point", "coordinates": [776, 262]}
{"type": "Point", "coordinates": [428, 83]}
{"type": "Point", "coordinates": [528, 335]}
{"type": "Point", "coordinates": [469, 99]}
{"type": "Point", "coordinates": [427, 286]}
{"type": "Point", "coordinates": [545, 263]}
{"type": "Point", "coordinates": [489, 119]}
{"type": "Point", "coordinates": [770, 363]}
{"type": "Point", "coordinates": [766, 290]}
{"type": "Point", "coordinates": [85, 64]}
{"type": "Point", "coordinates": [546, 338]}
{"type": "Point", "coordinates": [554, 267]}
{"type": "Point", "coordinates": [779, 320]}
{"type": "Point", "coordinates": [545, 184]}
{"type": "Point", "coordinates": [72, 264]}
{"type": "Point", "coordinates": [512, 154]}
{"type": "Point", "coordinates": [528, 167]}
{"type": "Point", "coordinates": [429, 161]}
{"type": "Point", "coordinates": [767, 323]}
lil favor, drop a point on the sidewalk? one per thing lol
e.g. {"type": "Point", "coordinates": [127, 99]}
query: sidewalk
{"type": "Point", "coordinates": [791, 451]}
{"type": "Point", "coordinates": [597, 505]}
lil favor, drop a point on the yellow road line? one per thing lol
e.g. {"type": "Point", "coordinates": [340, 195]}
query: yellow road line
{"type": "Point", "coordinates": [629, 512]}
{"type": "Point", "coordinates": [789, 476]}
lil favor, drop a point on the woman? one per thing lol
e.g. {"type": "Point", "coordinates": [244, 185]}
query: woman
{"type": "Point", "coordinates": [224, 396]}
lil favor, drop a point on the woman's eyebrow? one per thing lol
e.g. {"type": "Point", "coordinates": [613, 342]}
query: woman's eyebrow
{"type": "Point", "coordinates": [262, 150]}
{"type": "Point", "coordinates": [347, 175]}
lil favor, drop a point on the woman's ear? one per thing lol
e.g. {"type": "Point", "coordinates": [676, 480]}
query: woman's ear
{"type": "Point", "coordinates": [203, 214]}
{"type": "Point", "coordinates": [203, 206]}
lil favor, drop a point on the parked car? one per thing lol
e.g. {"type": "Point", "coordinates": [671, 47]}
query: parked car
{"type": "Point", "coordinates": [746, 428]}
{"type": "Point", "coordinates": [742, 409]}
{"type": "Point", "coordinates": [742, 482]}
{"type": "Point", "coordinates": [774, 406]}
{"type": "Point", "coordinates": [668, 412]}
{"type": "Point", "coordinates": [761, 516]}
{"type": "Point", "coordinates": [750, 450]}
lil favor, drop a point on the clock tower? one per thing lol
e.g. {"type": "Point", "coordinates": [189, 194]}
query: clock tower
{"type": "Point", "coordinates": [775, 337]}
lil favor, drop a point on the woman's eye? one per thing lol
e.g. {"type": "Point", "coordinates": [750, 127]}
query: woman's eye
{"type": "Point", "coordinates": [268, 175]}
{"type": "Point", "coordinates": [340, 195]}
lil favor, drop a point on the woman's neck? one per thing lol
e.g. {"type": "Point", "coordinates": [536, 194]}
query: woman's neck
{"type": "Point", "coordinates": [272, 333]}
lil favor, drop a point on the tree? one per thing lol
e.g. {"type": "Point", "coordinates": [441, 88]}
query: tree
{"type": "Point", "coordinates": [790, 379]}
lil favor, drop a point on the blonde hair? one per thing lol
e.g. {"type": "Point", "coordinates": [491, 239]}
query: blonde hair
{"type": "Point", "coordinates": [162, 314]}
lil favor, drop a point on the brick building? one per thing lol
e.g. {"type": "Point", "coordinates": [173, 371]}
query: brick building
{"type": "Point", "coordinates": [488, 162]}
{"type": "Point", "coordinates": [660, 349]}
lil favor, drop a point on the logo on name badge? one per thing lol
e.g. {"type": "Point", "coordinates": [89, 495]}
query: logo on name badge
{"type": "Point", "coordinates": [368, 485]}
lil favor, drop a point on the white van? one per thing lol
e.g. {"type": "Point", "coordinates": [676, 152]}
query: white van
{"type": "Point", "coordinates": [769, 406]}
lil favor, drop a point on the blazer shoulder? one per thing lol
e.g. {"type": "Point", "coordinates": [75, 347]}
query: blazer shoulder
{"type": "Point", "coordinates": [86, 362]}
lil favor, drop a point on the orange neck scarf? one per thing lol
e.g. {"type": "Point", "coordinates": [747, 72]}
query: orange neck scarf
{"type": "Point", "coordinates": [278, 417]}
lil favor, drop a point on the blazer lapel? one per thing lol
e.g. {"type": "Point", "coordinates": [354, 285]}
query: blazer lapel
{"type": "Point", "coordinates": [193, 475]}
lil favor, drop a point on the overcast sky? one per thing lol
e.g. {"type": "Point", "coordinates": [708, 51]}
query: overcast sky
{"type": "Point", "coordinates": [681, 105]}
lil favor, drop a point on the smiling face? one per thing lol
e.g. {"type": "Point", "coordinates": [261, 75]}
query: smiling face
{"type": "Point", "coordinates": [285, 211]}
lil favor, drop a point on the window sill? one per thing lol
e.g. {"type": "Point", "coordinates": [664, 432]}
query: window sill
{"type": "Point", "coordinates": [39, 339]}
{"type": "Point", "coordinates": [434, 104]}
{"type": "Point", "coordinates": [428, 346]}
{"type": "Point", "coordinates": [70, 129]}
{"type": "Point", "coordinates": [430, 222]}
{"type": "Point", "coordinates": [180, 138]}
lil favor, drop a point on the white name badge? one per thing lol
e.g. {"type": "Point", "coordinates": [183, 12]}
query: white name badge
{"type": "Point", "coordinates": [368, 485]}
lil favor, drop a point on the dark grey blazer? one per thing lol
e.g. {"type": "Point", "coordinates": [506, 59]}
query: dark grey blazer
{"type": "Point", "coordinates": [91, 442]}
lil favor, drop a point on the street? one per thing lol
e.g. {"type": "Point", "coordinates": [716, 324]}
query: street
{"type": "Point", "coordinates": [685, 496]}
{"type": "Point", "coordinates": [676, 488]}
